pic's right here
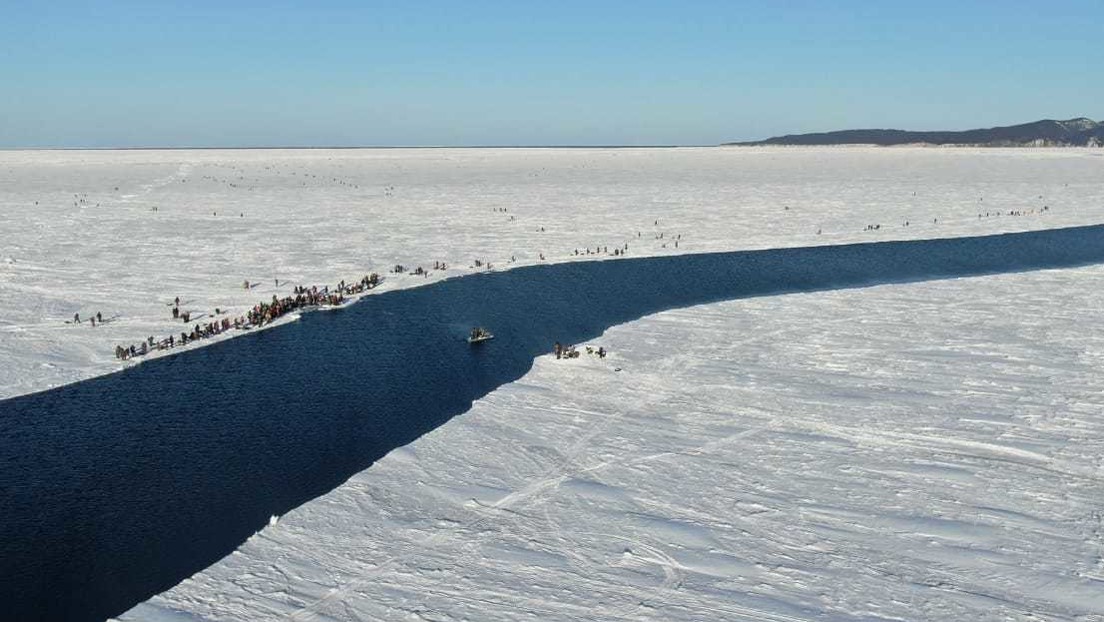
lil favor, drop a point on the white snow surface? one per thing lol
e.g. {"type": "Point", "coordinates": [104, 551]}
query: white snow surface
{"type": "Point", "coordinates": [79, 232]}
{"type": "Point", "coordinates": [925, 451]}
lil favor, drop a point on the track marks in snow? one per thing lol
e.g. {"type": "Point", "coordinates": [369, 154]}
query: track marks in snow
{"type": "Point", "coordinates": [967, 448]}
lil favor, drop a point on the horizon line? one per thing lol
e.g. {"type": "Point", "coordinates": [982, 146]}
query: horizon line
{"type": "Point", "coordinates": [333, 147]}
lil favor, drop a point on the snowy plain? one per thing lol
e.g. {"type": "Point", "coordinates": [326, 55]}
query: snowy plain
{"type": "Point", "coordinates": [123, 233]}
{"type": "Point", "coordinates": [925, 451]}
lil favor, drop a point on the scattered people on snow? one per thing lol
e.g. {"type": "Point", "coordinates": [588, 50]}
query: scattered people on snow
{"type": "Point", "coordinates": [570, 352]}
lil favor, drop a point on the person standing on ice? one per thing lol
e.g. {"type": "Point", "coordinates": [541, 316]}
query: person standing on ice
{"type": "Point", "coordinates": [76, 318]}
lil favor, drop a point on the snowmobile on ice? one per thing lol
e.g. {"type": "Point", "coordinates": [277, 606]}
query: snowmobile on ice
{"type": "Point", "coordinates": [479, 335]}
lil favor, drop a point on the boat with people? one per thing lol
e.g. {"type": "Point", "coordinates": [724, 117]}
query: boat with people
{"type": "Point", "coordinates": [479, 335]}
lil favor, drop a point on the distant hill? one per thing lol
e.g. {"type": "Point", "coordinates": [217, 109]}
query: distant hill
{"type": "Point", "coordinates": [1078, 132]}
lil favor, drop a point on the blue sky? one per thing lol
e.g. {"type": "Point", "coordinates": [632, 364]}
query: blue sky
{"type": "Point", "coordinates": [100, 74]}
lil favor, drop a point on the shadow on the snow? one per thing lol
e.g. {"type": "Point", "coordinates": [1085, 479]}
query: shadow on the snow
{"type": "Point", "coordinates": [117, 488]}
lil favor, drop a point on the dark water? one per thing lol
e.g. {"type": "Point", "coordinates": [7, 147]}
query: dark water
{"type": "Point", "coordinates": [117, 488]}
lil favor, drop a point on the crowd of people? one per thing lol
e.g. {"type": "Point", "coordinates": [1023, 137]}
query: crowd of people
{"type": "Point", "coordinates": [259, 315]}
{"type": "Point", "coordinates": [1014, 212]}
{"type": "Point", "coordinates": [570, 352]}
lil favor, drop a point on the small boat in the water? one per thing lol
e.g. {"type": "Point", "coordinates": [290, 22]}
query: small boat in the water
{"type": "Point", "coordinates": [479, 335]}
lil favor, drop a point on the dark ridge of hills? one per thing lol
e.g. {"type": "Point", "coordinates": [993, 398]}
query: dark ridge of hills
{"type": "Point", "coordinates": [1080, 132]}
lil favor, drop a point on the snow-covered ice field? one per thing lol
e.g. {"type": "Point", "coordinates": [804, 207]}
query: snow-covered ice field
{"type": "Point", "coordinates": [922, 451]}
{"type": "Point", "coordinates": [123, 233]}
{"type": "Point", "coordinates": [926, 451]}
